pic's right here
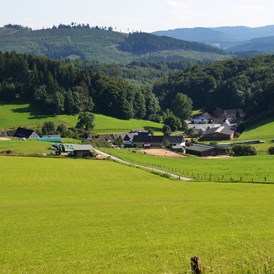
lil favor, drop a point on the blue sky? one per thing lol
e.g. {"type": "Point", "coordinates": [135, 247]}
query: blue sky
{"type": "Point", "coordinates": [141, 15]}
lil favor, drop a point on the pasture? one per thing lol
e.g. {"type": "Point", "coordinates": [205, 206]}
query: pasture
{"type": "Point", "coordinates": [246, 169]}
{"type": "Point", "coordinates": [15, 115]}
{"type": "Point", "coordinates": [260, 131]}
{"type": "Point", "coordinates": [88, 216]}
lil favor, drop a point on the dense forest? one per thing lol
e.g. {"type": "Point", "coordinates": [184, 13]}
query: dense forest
{"type": "Point", "coordinates": [141, 42]}
{"type": "Point", "coordinates": [238, 83]}
{"type": "Point", "coordinates": [56, 87]}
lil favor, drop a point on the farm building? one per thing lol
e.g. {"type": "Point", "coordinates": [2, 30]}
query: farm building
{"type": "Point", "coordinates": [80, 151]}
{"type": "Point", "coordinates": [147, 141]}
{"type": "Point", "coordinates": [25, 133]}
{"type": "Point", "coordinates": [3, 134]}
{"type": "Point", "coordinates": [204, 150]}
{"type": "Point", "coordinates": [218, 134]}
{"type": "Point", "coordinates": [202, 127]}
{"type": "Point", "coordinates": [204, 118]}
{"type": "Point", "coordinates": [126, 137]}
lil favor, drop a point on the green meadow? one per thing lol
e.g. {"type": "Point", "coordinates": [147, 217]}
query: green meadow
{"type": "Point", "coordinates": [15, 115]}
{"type": "Point", "coordinates": [90, 216]}
{"type": "Point", "coordinates": [30, 147]}
{"type": "Point", "coordinates": [260, 131]}
{"type": "Point", "coordinates": [246, 169]}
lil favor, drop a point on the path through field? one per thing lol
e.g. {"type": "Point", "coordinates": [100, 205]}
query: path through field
{"type": "Point", "coordinates": [116, 159]}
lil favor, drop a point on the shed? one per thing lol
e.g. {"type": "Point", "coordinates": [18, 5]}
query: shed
{"type": "Point", "coordinates": [204, 150]}
{"type": "Point", "coordinates": [26, 133]}
{"type": "Point", "coordinates": [80, 151]}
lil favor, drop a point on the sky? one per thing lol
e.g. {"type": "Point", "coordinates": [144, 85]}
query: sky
{"type": "Point", "coordinates": [138, 15]}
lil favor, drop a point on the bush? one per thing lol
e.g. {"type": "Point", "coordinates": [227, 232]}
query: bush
{"type": "Point", "coordinates": [243, 150]}
{"type": "Point", "coordinates": [271, 150]}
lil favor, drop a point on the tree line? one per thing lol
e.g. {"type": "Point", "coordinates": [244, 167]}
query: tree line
{"type": "Point", "coordinates": [59, 88]}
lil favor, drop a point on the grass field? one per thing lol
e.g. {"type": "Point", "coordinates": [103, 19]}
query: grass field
{"type": "Point", "coordinates": [85, 216]}
{"type": "Point", "coordinates": [260, 131]}
{"type": "Point", "coordinates": [30, 147]}
{"type": "Point", "coordinates": [15, 115]}
{"type": "Point", "coordinates": [248, 169]}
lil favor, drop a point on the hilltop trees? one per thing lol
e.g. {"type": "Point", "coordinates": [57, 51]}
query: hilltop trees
{"type": "Point", "coordinates": [237, 83]}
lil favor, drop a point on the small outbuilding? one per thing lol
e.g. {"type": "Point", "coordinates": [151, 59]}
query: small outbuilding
{"type": "Point", "coordinates": [81, 151]}
{"type": "Point", "coordinates": [205, 150]}
{"type": "Point", "coordinates": [26, 133]}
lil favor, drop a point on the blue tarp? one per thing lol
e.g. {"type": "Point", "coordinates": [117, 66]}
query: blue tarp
{"type": "Point", "coordinates": [51, 139]}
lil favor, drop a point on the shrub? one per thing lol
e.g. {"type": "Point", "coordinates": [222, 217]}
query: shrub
{"type": "Point", "coordinates": [243, 150]}
{"type": "Point", "coordinates": [271, 150]}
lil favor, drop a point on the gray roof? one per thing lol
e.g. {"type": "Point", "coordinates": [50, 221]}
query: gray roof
{"type": "Point", "coordinates": [82, 147]}
{"type": "Point", "coordinates": [200, 148]}
{"type": "Point", "coordinates": [175, 139]}
{"type": "Point", "coordinates": [203, 127]}
{"type": "Point", "coordinates": [23, 132]}
{"type": "Point", "coordinates": [142, 138]}
{"type": "Point", "coordinates": [157, 139]}
{"type": "Point", "coordinates": [51, 136]}
{"type": "Point", "coordinates": [225, 130]}
{"type": "Point", "coordinates": [204, 115]}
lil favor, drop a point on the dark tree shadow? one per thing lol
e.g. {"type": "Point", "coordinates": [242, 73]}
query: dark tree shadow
{"type": "Point", "coordinates": [34, 112]}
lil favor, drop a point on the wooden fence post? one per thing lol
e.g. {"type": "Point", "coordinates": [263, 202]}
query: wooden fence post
{"type": "Point", "coordinates": [195, 265]}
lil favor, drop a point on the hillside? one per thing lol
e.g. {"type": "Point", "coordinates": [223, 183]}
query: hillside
{"type": "Point", "coordinates": [265, 44]}
{"type": "Point", "coordinates": [224, 37]}
{"type": "Point", "coordinates": [95, 44]}
{"type": "Point", "coordinates": [15, 115]}
{"type": "Point", "coordinates": [203, 35]}
{"type": "Point", "coordinates": [88, 44]}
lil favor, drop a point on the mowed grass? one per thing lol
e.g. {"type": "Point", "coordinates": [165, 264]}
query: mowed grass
{"type": "Point", "coordinates": [15, 115]}
{"type": "Point", "coordinates": [86, 216]}
{"type": "Point", "coordinates": [260, 131]}
{"type": "Point", "coordinates": [28, 147]}
{"type": "Point", "coordinates": [247, 169]}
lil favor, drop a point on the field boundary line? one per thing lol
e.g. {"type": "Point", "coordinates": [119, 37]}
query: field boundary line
{"type": "Point", "coordinates": [152, 169]}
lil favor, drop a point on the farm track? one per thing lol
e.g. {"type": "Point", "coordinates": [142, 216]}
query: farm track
{"type": "Point", "coordinates": [156, 170]}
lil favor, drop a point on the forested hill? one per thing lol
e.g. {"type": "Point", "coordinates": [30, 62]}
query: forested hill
{"type": "Point", "coordinates": [225, 37]}
{"type": "Point", "coordinates": [99, 44]}
{"type": "Point", "coordinates": [238, 83]}
{"type": "Point", "coordinates": [265, 44]}
{"type": "Point", "coordinates": [55, 87]}
{"type": "Point", "coordinates": [139, 43]}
